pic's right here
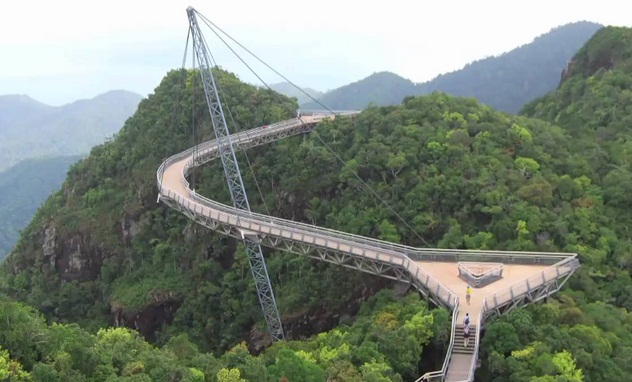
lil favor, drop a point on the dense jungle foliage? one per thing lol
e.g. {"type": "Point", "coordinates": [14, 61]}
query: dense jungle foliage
{"type": "Point", "coordinates": [382, 344]}
{"type": "Point", "coordinates": [591, 320]}
{"type": "Point", "coordinates": [462, 175]}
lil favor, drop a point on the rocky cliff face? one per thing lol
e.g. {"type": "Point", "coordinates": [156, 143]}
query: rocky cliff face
{"type": "Point", "coordinates": [149, 320]}
{"type": "Point", "coordinates": [567, 72]}
{"type": "Point", "coordinates": [78, 257]}
{"type": "Point", "coordinates": [75, 258]}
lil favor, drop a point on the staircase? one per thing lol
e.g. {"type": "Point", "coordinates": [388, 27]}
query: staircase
{"type": "Point", "coordinates": [461, 361]}
{"type": "Point", "coordinates": [459, 346]}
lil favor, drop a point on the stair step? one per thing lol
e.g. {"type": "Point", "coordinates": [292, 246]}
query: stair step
{"type": "Point", "coordinates": [459, 347]}
{"type": "Point", "coordinates": [463, 350]}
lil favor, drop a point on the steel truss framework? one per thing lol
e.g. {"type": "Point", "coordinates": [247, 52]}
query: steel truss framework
{"type": "Point", "coordinates": [234, 180]}
{"type": "Point", "coordinates": [342, 258]}
{"type": "Point", "coordinates": [532, 295]}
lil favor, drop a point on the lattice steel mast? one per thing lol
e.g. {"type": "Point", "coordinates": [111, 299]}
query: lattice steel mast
{"type": "Point", "coordinates": [233, 177]}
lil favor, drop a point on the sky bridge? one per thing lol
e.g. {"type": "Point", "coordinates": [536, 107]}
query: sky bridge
{"type": "Point", "coordinates": [501, 280]}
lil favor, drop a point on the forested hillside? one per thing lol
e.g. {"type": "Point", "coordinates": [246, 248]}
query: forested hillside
{"type": "Point", "coordinates": [592, 320]}
{"type": "Point", "coordinates": [506, 82]}
{"type": "Point", "coordinates": [101, 251]}
{"type": "Point", "coordinates": [30, 129]}
{"type": "Point", "coordinates": [24, 187]}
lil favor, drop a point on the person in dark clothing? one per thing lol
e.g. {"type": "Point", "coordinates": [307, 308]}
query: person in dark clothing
{"type": "Point", "coordinates": [466, 330]}
{"type": "Point", "coordinates": [466, 335]}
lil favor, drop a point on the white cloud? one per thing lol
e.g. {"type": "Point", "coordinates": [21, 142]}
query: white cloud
{"type": "Point", "coordinates": [320, 44]}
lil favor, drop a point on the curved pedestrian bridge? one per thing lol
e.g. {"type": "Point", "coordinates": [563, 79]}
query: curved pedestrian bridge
{"type": "Point", "coordinates": [526, 277]}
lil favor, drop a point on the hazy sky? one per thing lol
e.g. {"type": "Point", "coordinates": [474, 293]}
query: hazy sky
{"type": "Point", "coordinates": [63, 50]}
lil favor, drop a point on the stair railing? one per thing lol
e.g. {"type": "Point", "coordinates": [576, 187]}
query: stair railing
{"type": "Point", "coordinates": [439, 375]}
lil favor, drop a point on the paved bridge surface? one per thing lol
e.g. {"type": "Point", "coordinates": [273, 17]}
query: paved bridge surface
{"type": "Point", "coordinates": [527, 277]}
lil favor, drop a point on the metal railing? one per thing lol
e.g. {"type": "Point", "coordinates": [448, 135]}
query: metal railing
{"type": "Point", "coordinates": [479, 280]}
{"type": "Point", "coordinates": [440, 374]}
{"type": "Point", "coordinates": [526, 285]}
{"type": "Point", "coordinates": [249, 221]}
{"type": "Point", "coordinates": [284, 229]}
{"type": "Point", "coordinates": [417, 254]}
{"type": "Point", "coordinates": [505, 257]}
{"type": "Point", "coordinates": [477, 339]}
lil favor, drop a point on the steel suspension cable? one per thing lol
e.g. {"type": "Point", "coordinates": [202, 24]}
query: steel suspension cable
{"type": "Point", "coordinates": [243, 149]}
{"type": "Point", "coordinates": [207, 21]}
{"type": "Point", "coordinates": [193, 126]}
{"type": "Point", "coordinates": [178, 94]}
{"type": "Point", "coordinates": [211, 26]}
{"type": "Point", "coordinates": [234, 124]}
{"type": "Point", "coordinates": [370, 189]}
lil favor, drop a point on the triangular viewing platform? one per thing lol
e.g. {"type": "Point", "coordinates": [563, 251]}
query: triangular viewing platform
{"type": "Point", "coordinates": [500, 281]}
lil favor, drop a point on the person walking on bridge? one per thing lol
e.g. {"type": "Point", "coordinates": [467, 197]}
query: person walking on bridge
{"type": "Point", "coordinates": [468, 294]}
{"type": "Point", "coordinates": [466, 330]}
{"type": "Point", "coordinates": [466, 335]}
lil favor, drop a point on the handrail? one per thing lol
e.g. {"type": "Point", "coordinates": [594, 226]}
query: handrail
{"type": "Point", "coordinates": [524, 286]}
{"type": "Point", "coordinates": [448, 354]}
{"type": "Point", "coordinates": [485, 307]}
{"type": "Point", "coordinates": [476, 279]}
{"type": "Point", "coordinates": [412, 252]}
{"type": "Point", "coordinates": [482, 274]}
{"type": "Point", "coordinates": [477, 340]}
{"type": "Point", "coordinates": [248, 219]}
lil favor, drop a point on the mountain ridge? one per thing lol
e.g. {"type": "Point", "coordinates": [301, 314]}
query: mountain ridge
{"type": "Point", "coordinates": [25, 98]}
{"type": "Point", "coordinates": [29, 128]}
{"type": "Point", "coordinates": [490, 80]}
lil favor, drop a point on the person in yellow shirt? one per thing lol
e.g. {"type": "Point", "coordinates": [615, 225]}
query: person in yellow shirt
{"type": "Point", "coordinates": [468, 294]}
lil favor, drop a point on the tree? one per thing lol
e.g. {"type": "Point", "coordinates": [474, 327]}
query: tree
{"type": "Point", "coordinates": [388, 232]}
{"type": "Point", "coordinates": [11, 370]}
{"type": "Point", "coordinates": [229, 375]}
{"type": "Point", "coordinates": [295, 366]}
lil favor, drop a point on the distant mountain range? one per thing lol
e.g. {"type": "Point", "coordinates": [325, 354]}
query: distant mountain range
{"type": "Point", "coordinates": [505, 82]}
{"type": "Point", "coordinates": [38, 143]}
{"type": "Point", "coordinates": [24, 187]}
{"type": "Point", "coordinates": [30, 129]}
